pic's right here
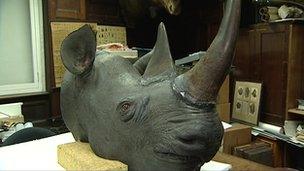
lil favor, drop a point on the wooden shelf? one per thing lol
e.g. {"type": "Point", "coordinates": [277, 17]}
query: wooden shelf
{"type": "Point", "coordinates": [296, 111]}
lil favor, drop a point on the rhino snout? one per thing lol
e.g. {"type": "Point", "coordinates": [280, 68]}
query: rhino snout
{"type": "Point", "coordinates": [191, 140]}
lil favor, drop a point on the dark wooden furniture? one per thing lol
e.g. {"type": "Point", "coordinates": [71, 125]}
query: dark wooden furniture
{"type": "Point", "coordinates": [100, 11]}
{"type": "Point", "coordinates": [273, 54]}
{"type": "Point", "coordinates": [277, 147]}
{"type": "Point", "coordinates": [67, 9]}
{"type": "Point", "coordinates": [239, 163]}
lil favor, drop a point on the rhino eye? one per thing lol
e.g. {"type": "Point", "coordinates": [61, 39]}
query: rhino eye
{"type": "Point", "coordinates": [126, 110]}
{"type": "Point", "coordinates": [125, 107]}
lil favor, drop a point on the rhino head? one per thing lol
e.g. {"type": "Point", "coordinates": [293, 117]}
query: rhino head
{"type": "Point", "coordinates": [144, 114]}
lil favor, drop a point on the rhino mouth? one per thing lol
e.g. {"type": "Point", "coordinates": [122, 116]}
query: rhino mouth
{"type": "Point", "coordinates": [177, 158]}
{"type": "Point", "coordinates": [169, 155]}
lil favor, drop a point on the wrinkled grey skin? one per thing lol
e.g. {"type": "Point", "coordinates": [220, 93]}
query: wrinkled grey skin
{"type": "Point", "coordinates": [144, 114]}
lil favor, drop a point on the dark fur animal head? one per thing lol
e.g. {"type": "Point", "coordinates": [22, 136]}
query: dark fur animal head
{"type": "Point", "coordinates": [144, 114]}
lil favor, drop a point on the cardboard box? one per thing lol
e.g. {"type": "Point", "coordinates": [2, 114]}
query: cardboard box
{"type": "Point", "coordinates": [237, 135]}
{"type": "Point", "coordinates": [223, 111]}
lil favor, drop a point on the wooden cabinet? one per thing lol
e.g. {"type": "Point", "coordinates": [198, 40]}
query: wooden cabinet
{"type": "Point", "coordinates": [105, 12]}
{"type": "Point", "coordinates": [272, 54]}
{"type": "Point", "coordinates": [67, 10]}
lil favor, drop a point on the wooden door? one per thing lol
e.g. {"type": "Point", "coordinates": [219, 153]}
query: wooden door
{"type": "Point", "coordinates": [271, 55]}
{"type": "Point", "coordinates": [242, 60]}
{"type": "Point", "coordinates": [66, 10]}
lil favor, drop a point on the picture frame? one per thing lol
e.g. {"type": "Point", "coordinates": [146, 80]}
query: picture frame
{"type": "Point", "coordinates": [246, 103]}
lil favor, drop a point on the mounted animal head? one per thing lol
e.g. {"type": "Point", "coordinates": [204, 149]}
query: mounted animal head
{"type": "Point", "coordinates": [144, 114]}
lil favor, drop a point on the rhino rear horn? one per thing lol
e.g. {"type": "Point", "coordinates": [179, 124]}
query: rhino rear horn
{"type": "Point", "coordinates": [78, 51]}
{"type": "Point", "coordinates": [160, 60]}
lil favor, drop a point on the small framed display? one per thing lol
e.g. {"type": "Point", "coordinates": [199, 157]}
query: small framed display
{"type": "Point", "coordinates": [246, 103]}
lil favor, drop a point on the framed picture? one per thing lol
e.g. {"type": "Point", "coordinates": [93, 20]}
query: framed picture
{"type": "Point", "coordinates": [246, 103]}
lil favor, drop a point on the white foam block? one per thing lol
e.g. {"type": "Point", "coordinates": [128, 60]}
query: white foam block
{"type": "Point", "coordinates": [218, 166]}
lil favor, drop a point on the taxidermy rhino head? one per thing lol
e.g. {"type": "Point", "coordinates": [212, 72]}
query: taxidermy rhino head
{"type": "Point", "coordinates": [144, 114]}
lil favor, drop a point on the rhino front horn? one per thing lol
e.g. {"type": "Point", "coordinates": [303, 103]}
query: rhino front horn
{"type": "Point", "coordinates": [78, 51]}
{"type": "Point", "coordinates": [202, 82]}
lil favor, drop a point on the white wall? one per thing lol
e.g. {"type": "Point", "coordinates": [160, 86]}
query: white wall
{"type": "Point", "coordinates": [16, 62]}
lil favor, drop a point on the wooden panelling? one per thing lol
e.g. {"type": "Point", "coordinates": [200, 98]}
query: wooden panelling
{"type": "Point", "coordinates": [55, 102]}
{"type": "Point", "coordinates": [67, 10]}
{"type": "Point", "coordinates": [36, 110]}
{"type": "Point", "coordinates": [105, 12]}
{"type": "Point", "coordinates": [242, 57]}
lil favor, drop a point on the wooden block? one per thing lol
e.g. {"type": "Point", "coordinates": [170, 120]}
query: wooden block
{"type": "Point", "coordinates": [237, 135]}
{"type": "Point", "coordinates": [223, 111]}
{"type": "Point", "coordinates": [79, 156]}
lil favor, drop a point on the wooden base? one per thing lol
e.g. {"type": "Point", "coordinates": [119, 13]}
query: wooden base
{"type": "Point", "coordinates": [79, 156]}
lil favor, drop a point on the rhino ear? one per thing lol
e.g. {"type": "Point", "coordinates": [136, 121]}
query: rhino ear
{"type": "Point", "coordinates": [160, 62]}
{"type": "Point", "coordinates": [78, 51]}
